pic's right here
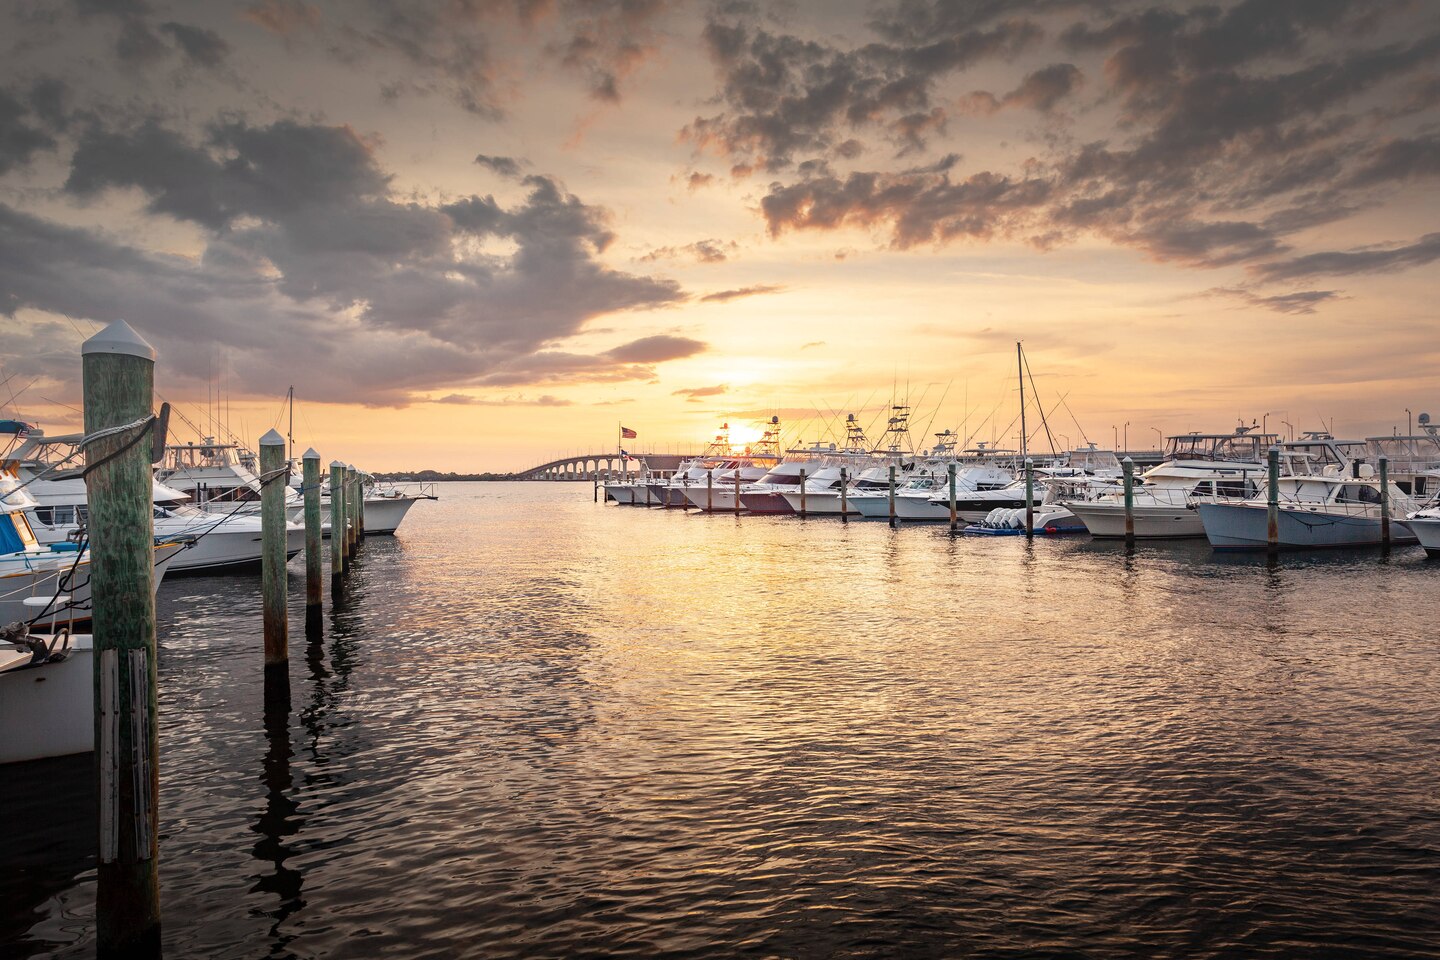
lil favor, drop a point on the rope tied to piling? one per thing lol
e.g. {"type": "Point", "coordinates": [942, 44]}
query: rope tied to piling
{"type": "Point", "coordinates": [141, 428]}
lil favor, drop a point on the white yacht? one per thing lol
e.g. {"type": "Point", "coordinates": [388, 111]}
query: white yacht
{"type": "Point", "coordinates": [218, 477]}
{"type": "Point", "coordinates": [1424, 526]}
{"type": "Point", "coordinates": [925, 495]}
{"type": "Point", "coordinates": [48, 583]}
{"type": "Point", "coordinates": [1334, 508]}
{"type": "Point", "coordinates": [385, 504]}
{"type": "Point", "coordinates": [724, 492]}
{"type": "Point", "coordinates": [218, 541]}
{"type": "Point", "coordinates": [1198, 467]}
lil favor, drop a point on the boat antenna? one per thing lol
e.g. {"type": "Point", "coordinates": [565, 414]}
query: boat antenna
{"type": "Point", "coordinates": [1043, 421]}
{"type": "Point", "coordinates": [1020, 368]}
{"type": "Point", "coordinates": [290, 431]}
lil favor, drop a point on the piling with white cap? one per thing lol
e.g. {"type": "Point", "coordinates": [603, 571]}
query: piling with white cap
{"type": "Point", "coordinates": [1272, 505]}
{"type": "Point", "coordinates": [951, 471]}
{"type": "Point", "coordinates": [1128, 465]}
{"type": "Point", "coordinates": [118, 386]}
{"type": "Point", "coordinates": [274, 535]}
{"type": "Point", "coordinates": [1029, 497]}
{"type": "Point", "coordinates": [337, 523]}
{"type": "Point", "coordinates": [310, 481]}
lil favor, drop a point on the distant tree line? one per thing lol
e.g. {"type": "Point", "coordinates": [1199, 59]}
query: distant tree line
{"type": "Point", "coordinates": [430, 476]}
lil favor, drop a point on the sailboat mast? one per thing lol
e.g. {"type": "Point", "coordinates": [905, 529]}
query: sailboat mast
{"type": "Point", "coordinates": [1020, 365]}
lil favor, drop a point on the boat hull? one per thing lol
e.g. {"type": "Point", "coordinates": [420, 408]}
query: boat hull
{"type": "Point", "coordinates": [224, 550]}
{"type": "Point", "coordinates": [765, 502]}
{"type": "Point", "coordinates": [1234, 526]}
{"type": "Point", "coordinates": [48, 709]}
{"type": "Point", "coordinates": [1106, 521]}
{"type": "Point", "coordinates": [1427, 532]}
{"type": "Point", "coordinates": [821, 504]}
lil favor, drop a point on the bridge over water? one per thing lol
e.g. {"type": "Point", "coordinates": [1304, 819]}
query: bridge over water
{"type": "Point", "coordinates": [592, 466]}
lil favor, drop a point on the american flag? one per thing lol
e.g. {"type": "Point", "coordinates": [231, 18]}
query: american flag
{"type": "Point", "coordinates": [627, 434]}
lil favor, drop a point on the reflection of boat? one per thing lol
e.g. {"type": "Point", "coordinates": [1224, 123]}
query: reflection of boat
{"type": "Point", "coordinates": [1330, 510]}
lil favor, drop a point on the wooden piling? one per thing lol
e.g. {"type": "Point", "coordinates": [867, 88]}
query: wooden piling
{"type": "Point", "coordinates": [352, 508]}
{"type": "Point", "coordinates": [737, 491]}
{"type": "Point", "coordinates": [360, 476]}
{"type": "Point", "coordinates": [274, 474]}
{"type": "Point", "coordinates": [1128, 465]}
{"type": "Point", "coordinates": [337, 522]}
{"type": "Point", "coordinates": [844, 495]}
{"type": "Point", "coordinates": [1272, 511]}
{"type": "Point", "coordinates": [802, 492]}
{"type": "Point", "coordinates": [310, 481]}
{"type": "Point", "coordinates": [892, 494]}
{"type": "Point", "coordinates": [118, 386]}
{"type": "Point", "coordinates": [1384, 463]}
{"type": "Point", "coordinates": [953, 513]}
{"type": "Point", "coordinates": [710, 490]}
{"type": "Point", "coordinates": [1029, 497]}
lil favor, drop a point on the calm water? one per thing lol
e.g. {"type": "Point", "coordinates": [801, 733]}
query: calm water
{"type": "Point", "coordinates": [543, 727]}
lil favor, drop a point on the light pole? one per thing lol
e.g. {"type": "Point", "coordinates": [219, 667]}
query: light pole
{"type": "Point", "coordinates": [1116, 431]}
{"type": "Point", "coordinates": [1287, 423]}
{"type": "Point", "coordinates": [1127, 434]}
{"type": "Point", "coordinates": [1159, 437]}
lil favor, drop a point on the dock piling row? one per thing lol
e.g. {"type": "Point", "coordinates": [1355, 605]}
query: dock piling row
{"type": "Point", "coordinates": [274, 474]}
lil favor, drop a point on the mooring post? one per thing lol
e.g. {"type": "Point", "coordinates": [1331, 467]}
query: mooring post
{"type": "Point", "coordinates": [352, 507]}
{"type": "Point", "coordinates": [274, 472]}
{"type": "Point", "coordinates": [310, 480]}
{"type": "Point", "coordinates": [1385, 501]}
{"type": "Point", "coordinates": [646, 484]}
{"type": "Point", "coordinates": [1029, 497]}
{"type": "Point", "coordinates": [802, 492]}
{"type": "Point", "coordinates": [118, 386]}
{"type": "Point", "coordinates": [892, 494]}
{"type": "Point", "coordinates": [737, 491]}
{"type": "Point", "coordinates": [337, 522]}
{"type": "Point", "coordinates": [1272, 496]}
{"type": "Point", "coordinates": [595, 487]}
{"type": "Point", "coordinates": [953, 522]}
{"type": "Point", "coordinates": [1128, 465]}
{"type": "Point", "coordinates": [360, 477]}
{"type": "Point", "coordinates": [844, 495]}
{"type": "Point", "coordinates": [710, 490]}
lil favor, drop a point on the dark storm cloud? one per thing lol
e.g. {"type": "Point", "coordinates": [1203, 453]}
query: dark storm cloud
{"type": "Point", "coordinates": [505, 166]}
{"type": "Point", "coordinates": [1234, 126]}
{"type": "Point", "coordinates": [25, 130]}
{"type": "Point", "coordinates": [787, 96]}
{"type": "Point", "coordinates": [1363, 260]}
{"type": "Point", "coordinates": [467, 50]}
{"type": "Point", "coordinates": [305, 232]}
{"type": "Point", "coordinates": [201, 47]}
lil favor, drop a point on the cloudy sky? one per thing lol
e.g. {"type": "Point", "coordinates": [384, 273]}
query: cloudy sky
{"type": "Point", "coordinates": [476, 233]}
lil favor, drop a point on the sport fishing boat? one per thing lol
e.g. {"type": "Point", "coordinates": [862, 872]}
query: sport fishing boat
{"type": "Point", "coordinates": [218, 477]}
{"type": "Point", "coordinates": [670, 491]}
{"type": "Point", "coordinates": [926, 494]}
{"type": "Point", "coordinates": [864, 470]}
{"type": "Point", "coordinates": [1424, 526]}
{"type": "Point", "coordinates": [1336, 508]}
{"type": "Point", "coordinates": [385, 505]}
{"type": "Point", "coordinates": [731, 477]}
{"type": "Point", "coordinates": [47, 694]}
{"type": "Point", "coordinates": [1198, 467]}
{"type": "Point", "coordinates": [48, 583]}
{"type": "Point", "coordinates": [1413, 459]}
{"type": "Point", "coordinates": [218, 541]}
